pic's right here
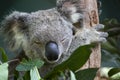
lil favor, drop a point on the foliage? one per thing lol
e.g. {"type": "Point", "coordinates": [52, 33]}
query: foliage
{"type": "Point", "coordinates": [110, 73]}
{"type": "Point", "coordinates": [111, 49]}
{"type": "Point", "coordinates": [112, 26]}
{"type": "Point", "coordinates": [34, 74]}
{"type": "Point", "coordinates": [72, 76]}
{"type": "Point", "coordinates": [113, 71]}
{"type": "Point", "coordinates": [3, 54]}
{"type": "Point", "coordinates": [32, 66]}
{"type": "Point", "coordinates": [76, 61]}
{"type": "Point", "coordinates": [88, 73]}
{"type": "Point", "coordinates": [4, 71]}
{"type": "Point", "coordinates": [28, 65]}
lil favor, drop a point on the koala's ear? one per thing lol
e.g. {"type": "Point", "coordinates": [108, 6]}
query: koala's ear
{"type": "Point", "coordinates": [70, 10]}
{"type": "Point", "coordinates": [15, 29]}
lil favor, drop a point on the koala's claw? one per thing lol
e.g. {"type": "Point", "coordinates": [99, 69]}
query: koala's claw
{"type": "Point", "coordinates": [103, 34]}
{"type": "Point", "coordinates": [99, 27]}
{"type": "Point", "coordinates": [102, 40]}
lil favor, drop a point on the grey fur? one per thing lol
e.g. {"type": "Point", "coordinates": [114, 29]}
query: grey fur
{"type": "Point", "coordinates": [31, 32]}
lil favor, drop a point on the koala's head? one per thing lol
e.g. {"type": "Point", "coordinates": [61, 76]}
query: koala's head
{"type": "Point", "coordinates": [42, 34]}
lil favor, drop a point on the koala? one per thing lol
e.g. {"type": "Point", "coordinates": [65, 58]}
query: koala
{"type": "Point", "coordinates": [49, 35]}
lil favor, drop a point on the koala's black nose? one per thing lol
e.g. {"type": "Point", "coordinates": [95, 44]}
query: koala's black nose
{"type": "Point", "coordinates": [51, 51]}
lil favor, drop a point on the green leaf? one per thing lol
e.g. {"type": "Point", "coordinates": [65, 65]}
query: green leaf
{"type": "Point", "coordinates": [114, 74]}
{"type": "Point", "coordinates": [113, 71]}
{"type": "Point", "coordinates": [112, 26]}
{"type": "Point", "coordinates": [57, 76]}
{"type": "Point", "coordinates": [86, 74]}
{"type": "Point", "coordinates": [72, 75]}
{"type": "Point", "coordinates": [115, 77]}
{"type": "Point", "coordinates": [16, 75]}
{"type": "Point", "coordinates": [34, 74]}
{"type": "Point", "coordinates": [4, 56]}
{"type": "Point", "coordinates": [28, 65]}
{"type": "Point", "coordinates": [76, 60]}
{"type": "Point", "coordinates": [4, 71]}
{"type": "Point", "coordinates": [107, 46]}
{"type": "Point", "coordinates": [27, 76]}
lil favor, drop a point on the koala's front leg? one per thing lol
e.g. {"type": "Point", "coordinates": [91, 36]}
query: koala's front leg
{"type": "Point", "coordinates": [87, 36]}
{"type": "Point", "coordinates": [95, 35]}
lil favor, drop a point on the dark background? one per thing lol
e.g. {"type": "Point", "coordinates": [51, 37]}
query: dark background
{"type": "Point", "coordinates": [110, 9]}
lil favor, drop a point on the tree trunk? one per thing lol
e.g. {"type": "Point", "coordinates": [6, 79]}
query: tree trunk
{"type": "Point", "coordinates": [90, 12]}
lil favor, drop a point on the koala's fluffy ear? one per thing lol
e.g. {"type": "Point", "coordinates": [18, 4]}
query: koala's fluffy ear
{"type": "Point", "coordinates": [15, 29]}
{"type": "Point", "coordinates": [69, 9]}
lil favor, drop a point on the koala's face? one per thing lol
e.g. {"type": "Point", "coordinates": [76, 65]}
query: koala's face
{"type": "Point", "coordinates": [43, 34]}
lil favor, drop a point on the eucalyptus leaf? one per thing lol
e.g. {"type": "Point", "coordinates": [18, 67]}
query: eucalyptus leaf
{"type": "Point", "coordinates": [72, 76]}
{"type": "Point", "coordinates": [112, 26]}
{"type": "Point", "coordinates": [4, 56]}
{"type": "Point", "coordinates": [113, 42]}
{"type": "Point", "coordinates": [76, 60]}
{"type": "Point", "coordinates": [28, 65]}
{"type": "Point", "coordinates": [4, 71]}
{"type": "Point", "coordinates": [57, 76]}
{"type": "Point", "coordinates": [27, 76]}
{"type": "Point", "coordinates": [34, 74]}
{"type": "Point", "coordinates": [113, 71]}
{"type": "Point", "coordinates": [86, 74]}
{"type": "Point", "coordinates": [115, 76]}
{"type": "Point", "coordinates": [107, 46]}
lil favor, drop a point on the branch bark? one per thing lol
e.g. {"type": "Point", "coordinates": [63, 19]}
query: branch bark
{"type": "Point", "coordinates": [91, 18]}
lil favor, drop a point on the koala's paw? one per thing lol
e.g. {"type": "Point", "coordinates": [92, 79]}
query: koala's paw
{"type": "Point", "coordinates": [101, 36]}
